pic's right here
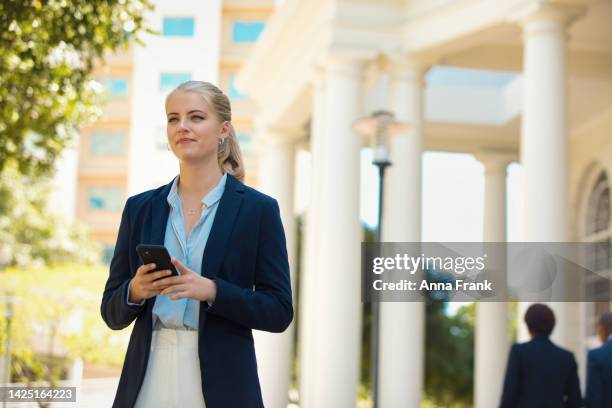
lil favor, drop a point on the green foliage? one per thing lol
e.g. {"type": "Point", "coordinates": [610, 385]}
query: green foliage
{"type": "Point", "coordinates": [57, 319]}
{"type": "Point", "coordinates": [30, 233]}
{"type": "Point", "coordinates": [48, 49]}
{"type": "Point", "coordinates": [449, 348]}
{"type": "Point", "coordinates": [449, 355]}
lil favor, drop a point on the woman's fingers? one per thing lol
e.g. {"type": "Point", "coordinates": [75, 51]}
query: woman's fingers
{"type": "Point", "coordinates": [174, 288]}
{"type": "Point", "coordinates": [180, 295]}
{"type": "Point", "coordinates": [183, 270]}
{"type": "Point", "coordinates": [154, 276]}
{"type": "Point", "coordinates": [143, 269]}
{"type": "Point", "coordinates": [171, 280]}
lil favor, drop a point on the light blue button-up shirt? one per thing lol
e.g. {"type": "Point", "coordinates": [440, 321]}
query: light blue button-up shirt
{"type": "Point", "coordinates": [183, 314]}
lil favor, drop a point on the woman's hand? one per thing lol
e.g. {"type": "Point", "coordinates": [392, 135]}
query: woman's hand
{"type": "Point", "coordinates": [187, 285]}
{"type": "Point", "coordinates": [141, 286]}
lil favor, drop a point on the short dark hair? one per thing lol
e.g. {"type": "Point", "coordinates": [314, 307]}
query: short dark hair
{"type": "Point", "coordinates": [540, 319]}
{"type": "Point", "coordinates": [605, 322]}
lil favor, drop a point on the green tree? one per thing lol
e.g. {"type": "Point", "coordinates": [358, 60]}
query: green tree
{"type": "Point", "coordinates": [48, 49]}
{"type": "Point", "coordinates": [30, 233]}
{"type": "Point", "coordinates": [449, 354]}
{"type": "Point", "coordinates": [57, 308]}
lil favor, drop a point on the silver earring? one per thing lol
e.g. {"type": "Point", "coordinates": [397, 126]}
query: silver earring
{"type": "Point", "coordinates": [221, 141]}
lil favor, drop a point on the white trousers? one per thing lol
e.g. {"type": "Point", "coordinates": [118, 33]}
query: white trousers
{"type": "Point", "coordinates": [173, 376]}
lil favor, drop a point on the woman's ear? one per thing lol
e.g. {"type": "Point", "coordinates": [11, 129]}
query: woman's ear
{"type": "Point", "coordinates": [226, 129]}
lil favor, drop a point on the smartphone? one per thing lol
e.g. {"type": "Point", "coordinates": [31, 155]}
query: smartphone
{"type": "Point", "coordinates": [157, 254]}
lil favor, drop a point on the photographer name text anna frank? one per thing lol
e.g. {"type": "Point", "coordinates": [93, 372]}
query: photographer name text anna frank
{"type": "Point", "coordinates": [457, 265]}
{"type": "Point", "coordinates": [407, 285]}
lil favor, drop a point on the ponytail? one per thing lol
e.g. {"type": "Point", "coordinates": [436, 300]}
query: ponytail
{"type": "Point", "coordinates": [230, 157]}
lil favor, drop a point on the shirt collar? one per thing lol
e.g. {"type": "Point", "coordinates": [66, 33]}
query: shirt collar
{"type": "Point", "coordinates": [215, 194]}
{"type": "Point", "coordinates": [610, 337]}
{"type": "Point", "coordinates": [209, 200]}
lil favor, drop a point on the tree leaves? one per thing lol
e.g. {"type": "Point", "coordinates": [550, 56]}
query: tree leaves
{"type": "Point", "coordinates": [30, 234]}
{"type": "Point", "coordinates": [47, 52]}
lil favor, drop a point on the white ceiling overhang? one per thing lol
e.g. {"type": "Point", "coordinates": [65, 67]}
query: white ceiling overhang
{"type": "Point", "coordinates": [482, 34]}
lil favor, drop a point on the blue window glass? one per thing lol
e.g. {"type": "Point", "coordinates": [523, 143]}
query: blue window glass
{"type": "Point", "coordinates": [161, 139]}
{"type": "Point", "coordinates": [233, 91]}
{"type": "Point", "coordinates": [115, 87]}
{"type": "Point", "coordinates": [105, 198]}
{"type": "Point", "coordinates": [107, 143]}
{"type": "Point", "coordinates": [247, 31]}
{"type": "Point", "coordinates": [178, 26]}
{"type": "Point", "coordinates": [107, 254]}
{"type": "Point", "coordinates": [245, 140]}
{"type": "Point", "coordinates": [170, 80]}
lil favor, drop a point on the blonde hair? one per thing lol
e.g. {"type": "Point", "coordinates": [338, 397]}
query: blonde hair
{"type": "Point", "coordinates": [228, 154]}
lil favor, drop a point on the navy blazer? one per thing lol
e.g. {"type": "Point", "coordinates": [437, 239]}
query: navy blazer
{"type": "Point", "coordinates": [599, 377]}
{"type": "Point", "coordinates": [541, 375]}
{"type": "Point", "coordinates": [246, 255]}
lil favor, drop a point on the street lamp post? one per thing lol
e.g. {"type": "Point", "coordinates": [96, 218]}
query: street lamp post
{"type": "Point", "coordinates": [379, 124]}
{"type": "Point", "coordinates": [7, 348]}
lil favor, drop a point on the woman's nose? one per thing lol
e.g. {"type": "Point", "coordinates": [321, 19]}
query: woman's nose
{"type": "Point", "coordinates": [182, 124]}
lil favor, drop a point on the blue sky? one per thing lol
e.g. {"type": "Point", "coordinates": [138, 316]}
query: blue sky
{"type": "Point", "coordinates": [470, 78]}
{"type": "Point", "coordinates": [453, 197]}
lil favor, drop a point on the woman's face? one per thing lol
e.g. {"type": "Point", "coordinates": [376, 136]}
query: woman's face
{"type": "Point", "coordinates": [193, 129]}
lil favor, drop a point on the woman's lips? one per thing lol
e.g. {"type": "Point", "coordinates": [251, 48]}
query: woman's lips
{"type": "Point", "coordinates": [185, 140]}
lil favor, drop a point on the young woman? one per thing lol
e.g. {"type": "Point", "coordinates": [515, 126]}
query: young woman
{"type": "Point", "coordinates": [191, 345]}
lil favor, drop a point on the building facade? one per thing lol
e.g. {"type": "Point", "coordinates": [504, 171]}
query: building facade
{"type": "Point", "coordinates": [323, 64]}
{"type": "Point", "coordinates": [125, 152]}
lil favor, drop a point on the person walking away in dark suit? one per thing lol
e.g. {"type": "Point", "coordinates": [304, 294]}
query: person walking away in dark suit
{"type": "Point", "coordinates": [539, 373]}
{"type": "Point", "coordinates": [599, 367]}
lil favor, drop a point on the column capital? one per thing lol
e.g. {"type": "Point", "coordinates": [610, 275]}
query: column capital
{"type": "Point", "coordinates": [405, 67]}
{"type": "Point", "coordinates": [538, 17]}
{"type": "Point", "coordinates": [344, 61]}
{"type": "Point", "coordinates": [277, 135]}
{"type": "Point", "coordinates": [495, 161]}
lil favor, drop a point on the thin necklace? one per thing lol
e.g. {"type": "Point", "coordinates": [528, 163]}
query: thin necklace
{"type": "Point", "coordinates": [193, 211]}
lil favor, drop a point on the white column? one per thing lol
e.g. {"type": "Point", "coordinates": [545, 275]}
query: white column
{"type": "Point", "coordinates": [492, 317]}
{"type": "Point", "coordinates": [336, 329]}
{"type": "Point", "coordinates": [544, 135]}
{"type": "Point", "coordinates": [75, 373]}
{"type": "Point", "coordinates": [402, 324]}
{"type": "Point", "coordinates": [308, 308]}
{"type": "Point", "coordinates": [275, 177]}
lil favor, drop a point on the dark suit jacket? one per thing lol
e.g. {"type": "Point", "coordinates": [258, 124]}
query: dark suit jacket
{"type": "Point", "coordinates": [245, 254]}
{"type": "Point", "coordinates": [541, 375]}
{"type": "Point", "coordinates": [599, 377]}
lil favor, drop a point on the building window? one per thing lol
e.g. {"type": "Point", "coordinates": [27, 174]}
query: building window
{"type": "Point", "coordinates": [245, 140]}
{"type": "Point", "coordinates": [178, 26]}
{"type": "Point", "coordinates": [161, 139]}
{"type": "Point", "coordinates": [107, 254]}
{"type": "Point", "coordinates": [105, 198]}
{"type": "Point", "coordinates": [107, 144]}
{"type": "Point", "coordinates": [233, 91]}
{"type": "Point", "coordinates": [246, 31]}
{"type": "Point", "coordinates": [599, 233]}
{"type": "Point", "coordinates": [598, 211]}
{"type": "Point", "coordinates": [170, 80]}
{"type": "Point", "coordinates": [115, 87]}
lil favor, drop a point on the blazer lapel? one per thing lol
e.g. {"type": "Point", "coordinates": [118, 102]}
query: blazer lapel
{"type": "Point", "coordinates": [159, 216]}
{"type": "Point", "coordinates": [222, 227]}
{"type": "Point", "coordinates": [154, 232]}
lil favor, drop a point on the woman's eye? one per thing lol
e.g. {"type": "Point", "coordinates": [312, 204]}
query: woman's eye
{"type": "Point", "coordinates": [172, 120]}
{"type": "Point", "coordinates": [197, 118]}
